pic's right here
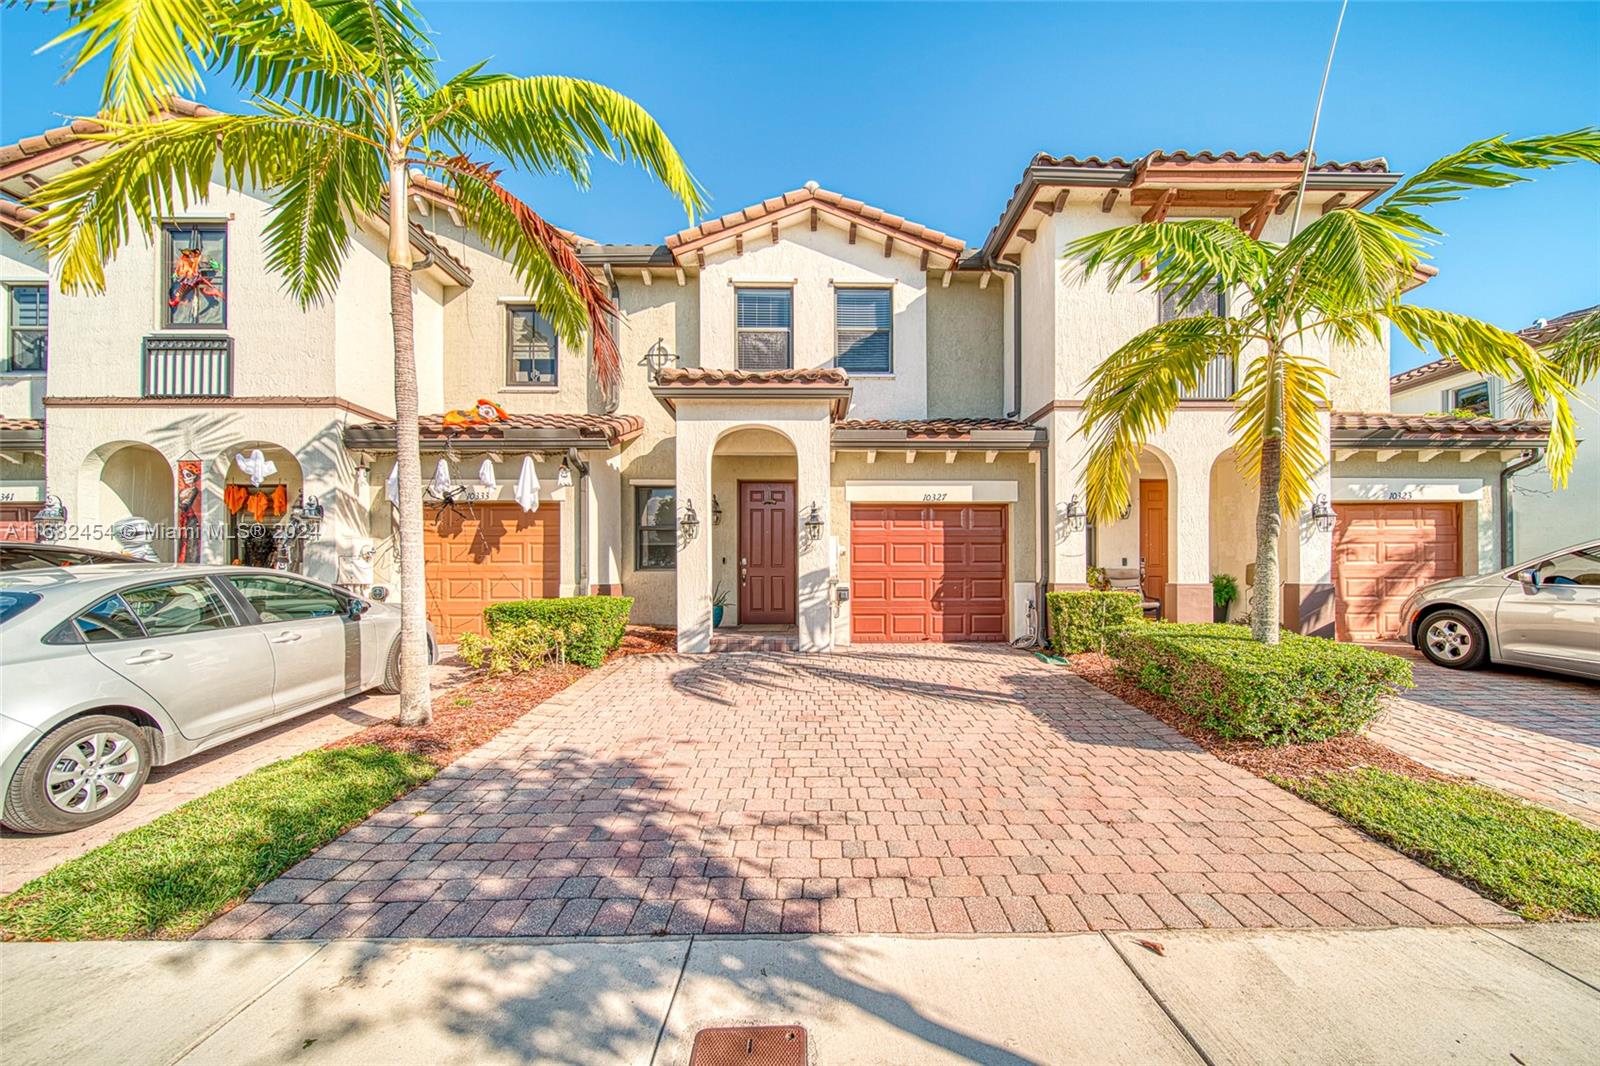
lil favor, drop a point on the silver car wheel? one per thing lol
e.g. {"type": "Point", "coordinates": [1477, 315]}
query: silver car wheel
{"type": "Point", "coordinates": [92, 772]}
{"type": "Point", "coordinates": [1449, 639]}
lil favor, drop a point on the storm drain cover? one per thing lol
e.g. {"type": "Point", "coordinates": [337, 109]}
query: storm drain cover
{"type": "Point", "coordinates": [750, 1045]}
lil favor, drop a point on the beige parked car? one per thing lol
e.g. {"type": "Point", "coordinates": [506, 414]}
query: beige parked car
{"type": "Point", "coordinates": [1544, 614]}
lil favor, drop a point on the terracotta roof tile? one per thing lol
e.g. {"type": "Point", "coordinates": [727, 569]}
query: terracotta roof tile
{"type": "Point", "coordinates": [16, 219]}
{"type": "Point", "coordinates": [612, 428]}
{"type": "Point", "coordinates": [936, 427]}
{"type": "Point", "coordinates": [679, 377]}
{"type": "Point", "coordinates": [21, 425]}
{"type": "Point", "coordinates": [177, 107]}
{"type": "Point", "coordinates": [1230, 158]}
{"type": "Point", "coordinates": [1350, 423]}
{"type": "Point", "coordinates": [866, 214]}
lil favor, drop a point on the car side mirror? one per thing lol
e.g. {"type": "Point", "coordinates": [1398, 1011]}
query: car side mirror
{"type": "Point", "coordinates": [356, 610]}
{"type": "Point", "coordinates": [1529, 578]}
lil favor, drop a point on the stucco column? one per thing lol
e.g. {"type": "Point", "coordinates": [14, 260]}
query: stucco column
{"type": "Point", "coordinates": [1307, 564]}
{"type": "Point", "coordinates": [327, 472]}
{"type": "Point", "coordinates": [1068, 547]}
{"type": "Point", "coordinates": [696, 439]}
{"type": "Point", "coordinates": [1188, 593]}
{"type": "Point", "coordinates": [813, 611]}
{"type": "Point", "coordinates": [605, 525]}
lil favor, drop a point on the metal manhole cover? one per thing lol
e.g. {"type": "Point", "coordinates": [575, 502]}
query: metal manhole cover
{"type": "Point", "coordinates": [750, 1045]}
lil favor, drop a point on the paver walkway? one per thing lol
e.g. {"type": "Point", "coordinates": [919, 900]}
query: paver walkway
{"type": "Point", "coordinates": [1534, 735]}
{"type": "Point", "coordinates": [887, 789]}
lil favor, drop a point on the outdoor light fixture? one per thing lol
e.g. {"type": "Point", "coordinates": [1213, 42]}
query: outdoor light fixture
{"type": "Point", "coordinates": [1073, 516]}
{"type": "Point", "coordinates": [813, 524]}
{"type": "Point", "coordinates": [688, 522]}
{"type": "Point", "coordinates": [307, 514]}
{"type": "Point", "coordinates": [716, 512]}
{"type": "Point", "coordinates": [1127, 509]}
{"type": "Point", "coordinates": [658, 357]}
{"type": "Point", "coordinates": [1322, 514]}
{"type": "Point", "coordinates": [49, 521]}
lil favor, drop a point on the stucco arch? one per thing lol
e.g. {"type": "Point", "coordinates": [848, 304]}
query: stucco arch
{"type": "Point", "coordinates": [1232, 523]}
{"type": "Point", "coordinates": [224, 472]}
{"type": "Point", "coordinates": [125, 479]}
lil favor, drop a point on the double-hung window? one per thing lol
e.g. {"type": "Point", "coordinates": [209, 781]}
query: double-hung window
{"type": "Point", "coordinates": [195, 255]}
{"type": "Point", "coordinates": [657, 517]}
{"type": "Point", "coordinates": [766, 329]}
{"type": "Point", "coordinates": [863, 331]}
{"type": "Point", "coordinates": [532, 351]}
{"type": "Point", "coordinates": [27, 322]}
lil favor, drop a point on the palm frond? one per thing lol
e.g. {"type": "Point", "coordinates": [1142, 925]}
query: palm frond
{"type": "Point", "coordinates": [1190, 256]}
{"type": "Point", "coordinates": [1489, 350]}
{"type": "Point", "coordinates": [332, 180]}
{"type": "Point", "coordinates": [573, 300]}
{"type": "Point", "coordinates": [153, 48]}
{"type": "Point", "coordinates": [1301, 385]}
{"type": "Point", "coordinates": [1576, 356]}
{"type": "Point", "coordinates": [1487, 164]}
{"type": "Point", "coordinates": [554, 123]}
{"type": "Point", "coordinates": [1136, 390]}
{"type": "Point", "coordinates": [1342, 264]}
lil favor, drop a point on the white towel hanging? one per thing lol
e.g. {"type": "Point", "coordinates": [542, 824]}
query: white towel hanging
{"type": "Point", "coordinates": [527, 494]}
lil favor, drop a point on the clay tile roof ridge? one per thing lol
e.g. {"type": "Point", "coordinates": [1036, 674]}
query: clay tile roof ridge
{"type": "Point", "coordinates": [756, 212]}
{"type": "Point", "coordinates": [1375, 165]}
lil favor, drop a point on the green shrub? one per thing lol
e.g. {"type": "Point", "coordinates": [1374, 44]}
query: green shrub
{"type": "Point", "coordinates": [518, 647]}
{"type": "Point", "coordinates": [1304, 688]}
{"type": "Point", "coordinates": [593, 625]}
{"type": "Point", "coordinates": [1224, 589]}
{"type": "Point", "coordinates": [1081, 621]}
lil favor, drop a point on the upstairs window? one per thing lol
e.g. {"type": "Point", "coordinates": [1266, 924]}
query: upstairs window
{"type": "Point", "coordinates": [27, 321]}
{"type": "Point", "coordinates": [195, 259]}
{"type": "Point", "coordinates": [1210, 302]}
{"type": "Point", "coordinates": [1472, 399]}
{"type": "Point", "coordinates": [863, 331]}
{"type": "Point", "coordinates": [766, 329]}
{"type": "Point", "coordinates": [531, 348]}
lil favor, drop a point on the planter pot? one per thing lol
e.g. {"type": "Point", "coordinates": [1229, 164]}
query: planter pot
{"type": "Point", "coordinates": [1220, 613]}
{"type": "Point", "coordinates": [716, 616]}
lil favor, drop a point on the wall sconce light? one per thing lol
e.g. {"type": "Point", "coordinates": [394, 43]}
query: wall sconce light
{"type": "Point", "coordinates": [716, 512]}
{"type": "Point", "coordinates": [813, 524]}
{"type": "Point", "coordinates": [688, 522]}
{"type": "Point", "coordinates": [658, 358]}
{"type": "Point", "coordinates": [307, 514]}
{"type": "Point", "coordinates": [50, 521]}
{"type": "Point", "coordinates": [1073, 516]}
{"type": "Point", "coordinates": [1322, 513]}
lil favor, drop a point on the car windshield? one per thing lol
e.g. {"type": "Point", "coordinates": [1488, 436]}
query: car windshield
{"type": "Point", "coordinates": [14, 603]}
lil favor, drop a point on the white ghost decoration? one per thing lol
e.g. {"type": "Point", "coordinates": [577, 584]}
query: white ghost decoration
{"type": "Point", "coordinates": [441, 479]}
{"type": "Point", "coordinates": [527, 493]}
{"type": "Point", "coordinates": [255, 466]}
{"type": "Point", "coordinates": [486, 474]}
{"type": "Point", "coordinates": [392, 486]}
{"type": "Point", "coordinates": [563, 477]}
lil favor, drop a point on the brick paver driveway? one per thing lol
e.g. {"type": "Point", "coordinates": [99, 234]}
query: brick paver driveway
{"type": "Point", "coordinates": [911, 789]}
{"type": "Point", "coordinates": [1536, 735]}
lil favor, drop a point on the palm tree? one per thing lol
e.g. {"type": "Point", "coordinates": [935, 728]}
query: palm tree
{"type": "Point", "coordinates": [347, 109]}
{"type": "Point", "coordinates": [1576, 356]}
{"type": "Point", "coordinates": [1339, 281]}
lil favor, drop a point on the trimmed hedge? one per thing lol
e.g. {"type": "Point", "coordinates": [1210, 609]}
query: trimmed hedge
{"type": "Point", "coordinates": [593, 624]}
{"type": "Point", "coordinates": [1083, 620]}
{"type": "Point", "coordinates": [1302, 689]}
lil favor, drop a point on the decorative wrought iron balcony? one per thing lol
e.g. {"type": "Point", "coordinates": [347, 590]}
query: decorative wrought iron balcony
{"type": "Point", "coordinates": [177, 366]}
{"type": "Point", "coordinates": [1217, 383]}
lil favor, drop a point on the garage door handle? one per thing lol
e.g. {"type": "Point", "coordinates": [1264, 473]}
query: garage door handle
{"type": "Point", "coordinates": [285, 638]}
{"type": "Point", "coordinates": [148, 657]}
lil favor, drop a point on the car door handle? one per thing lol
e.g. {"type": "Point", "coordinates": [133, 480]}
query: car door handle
{"type": "Point", "coordinates": [148, 657]}
{"type": "Point", "coordinates": [284, 638]}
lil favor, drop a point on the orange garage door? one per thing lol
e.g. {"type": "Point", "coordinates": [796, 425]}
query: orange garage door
{"type": "Point", "coordinates": [1381, 551]}
{"type": "Point", "coordinates": [487, 554]}
{"type": "Point", "coordinates": [927, 573]}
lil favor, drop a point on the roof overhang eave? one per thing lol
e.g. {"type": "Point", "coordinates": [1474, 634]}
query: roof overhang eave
{"type": "Point", "coordinates": [23, 442]}
{"type": "Point", "coordinates": [837, 396]}
{"type": "Point", "coordinates": [978, 440]}
{"type": "Point", "coordinates": [368, 438]}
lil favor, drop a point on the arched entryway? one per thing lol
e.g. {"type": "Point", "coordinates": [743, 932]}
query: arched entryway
{"type": "Point", "coordinates": [255, 526]}
{"type": "Point", "coordinates": [1233, 529]}
{"type": "Point", "coordinates": [130, 487]}
{"type": "Point", "coordinates": [755, 518]}
{"type": "Point", "coordinates": [1140, 548]}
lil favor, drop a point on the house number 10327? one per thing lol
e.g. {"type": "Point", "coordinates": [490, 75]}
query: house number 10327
{"type": "Point", "coordinates": [934, 497]}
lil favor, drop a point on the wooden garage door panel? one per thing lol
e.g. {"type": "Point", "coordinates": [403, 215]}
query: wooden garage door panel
{"type": "Point", "coordinates": [489, 554]}
{"type": "Point", "coordinates": [1381, 552]}
{"type": "Point", "coordinates": [934, 573]}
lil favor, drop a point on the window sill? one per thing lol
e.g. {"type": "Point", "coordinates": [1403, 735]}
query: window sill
{"type": "Point", "coordinates": [876, 375]}
{"type": "Point", "coordinates": [15, 375]}
{"type": "Point", "coordinates": [530, 388]}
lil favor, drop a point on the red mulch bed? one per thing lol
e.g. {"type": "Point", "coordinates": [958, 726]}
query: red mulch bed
{"type": "Point", "coordinates": [1289, 760]}
{"type": "Point", "coordinates": [471, 713]}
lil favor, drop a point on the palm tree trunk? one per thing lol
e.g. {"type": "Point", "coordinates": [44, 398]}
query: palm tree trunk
{"type": "Point", "coordinates": [1266, 606]}
{"type": "Point", "coordinates": [416, 701]}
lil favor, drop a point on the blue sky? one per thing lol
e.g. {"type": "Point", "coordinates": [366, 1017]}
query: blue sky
{"type": "Point", "coordinates": [932, 110]}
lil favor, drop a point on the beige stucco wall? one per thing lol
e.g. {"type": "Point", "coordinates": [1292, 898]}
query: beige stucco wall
{"type": "Point", "coordinates": [813, 262]}
{"type": "Point", "coordinates": [966, 349]}
{"type": "Point", "coordinates": [21, 395]}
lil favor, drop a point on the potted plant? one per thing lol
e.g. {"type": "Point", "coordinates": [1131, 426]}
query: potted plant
{"type": "Point", "coordinates": [1224, 590]}
{"type": "Point", "coordinates": [719, 603]}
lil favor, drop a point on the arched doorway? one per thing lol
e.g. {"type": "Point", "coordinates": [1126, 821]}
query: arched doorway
{"type": "Point", "coordinates": [255, 517]}
{"type": "Point", "coordinates": [133, 492]}
{"type": "Point", "coordinates": [1141, 545]}
{"type": "Point", "coordinates": [755, 517]}
{"type": "Point", "coordinates": [1232, 543]}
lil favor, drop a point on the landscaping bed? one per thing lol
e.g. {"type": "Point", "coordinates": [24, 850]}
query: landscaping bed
{"type": "Point", "coordinates": [169, 878]}
{"type": "Point", "coordinates": [1532, 860]}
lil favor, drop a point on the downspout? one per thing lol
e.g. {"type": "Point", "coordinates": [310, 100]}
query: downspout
{"type": "Point", "coordinates": [581, 555]}
{"type": "Point", "coordinates": [1016, 334]}
{"type": "Point", "coordinates": [1529, 458]}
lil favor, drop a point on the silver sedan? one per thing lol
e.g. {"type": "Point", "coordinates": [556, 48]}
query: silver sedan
{"type": "Point", "coordinates": [109, 670]}
{"type": "Point", "coordinates": [1544, 614]}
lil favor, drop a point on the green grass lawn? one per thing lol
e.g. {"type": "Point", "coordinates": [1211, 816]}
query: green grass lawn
{"type": "Point", "coordinates": [172, 876]}
{"type": "Point", "coordinates": [1536, 862]}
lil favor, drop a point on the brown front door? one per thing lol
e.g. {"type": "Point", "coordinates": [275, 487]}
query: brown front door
{"type": "Point", "coordinates": [1153, 537]}
{"type": "Point", "coordinates": [766, 553]}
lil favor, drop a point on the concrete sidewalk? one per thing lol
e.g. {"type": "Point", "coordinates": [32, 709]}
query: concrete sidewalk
{"type": "Point", "coordinates": [1466, 995]}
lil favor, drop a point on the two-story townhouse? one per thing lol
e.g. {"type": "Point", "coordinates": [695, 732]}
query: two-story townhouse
{"type": "Point", "coordinates": [838, 425]}
{"type": "Point", "coordinates": [1536, 519]}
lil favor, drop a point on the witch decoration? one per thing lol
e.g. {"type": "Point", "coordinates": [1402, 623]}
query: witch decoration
{"type": "Point", "coordinates": [193, 276]}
